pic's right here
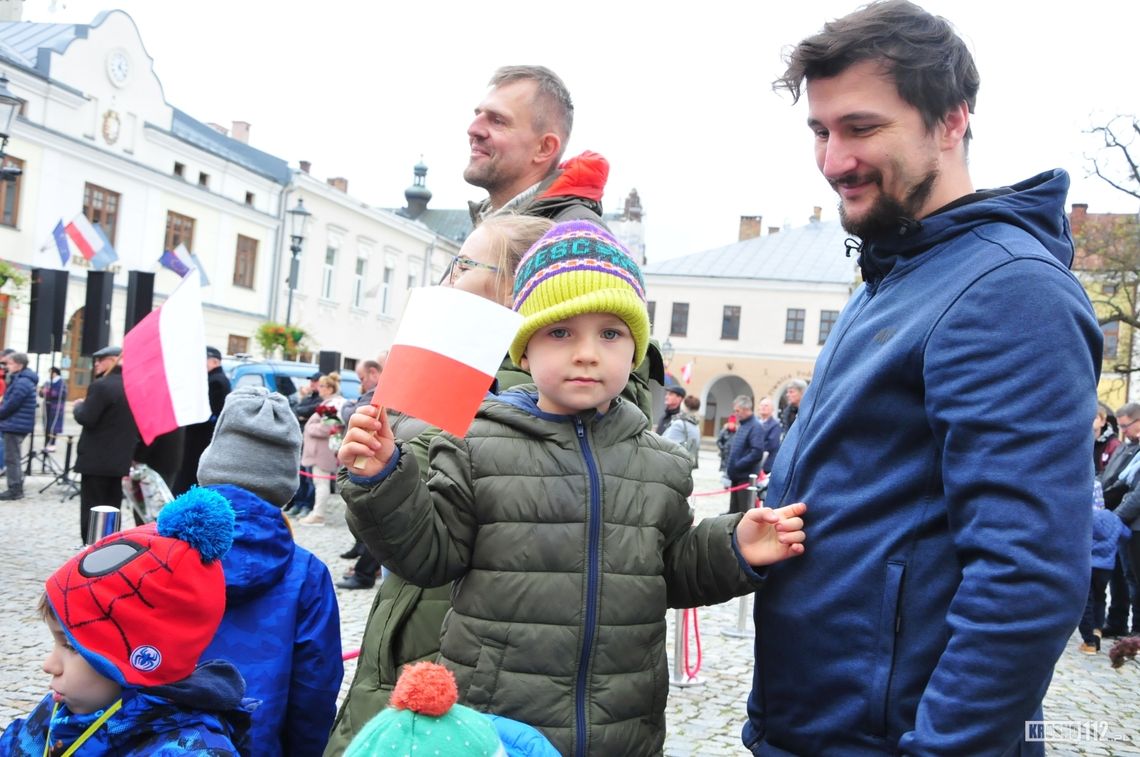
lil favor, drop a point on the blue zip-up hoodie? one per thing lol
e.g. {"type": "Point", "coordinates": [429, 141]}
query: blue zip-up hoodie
{"type": "Point", "coordinates": [943, 450]}
{"type": "Point", "coordinates": [281, 629]}
{"type": "Point", "coordinates": [203, 714]}
{"type": "Point", "coordinates": [18, 408]}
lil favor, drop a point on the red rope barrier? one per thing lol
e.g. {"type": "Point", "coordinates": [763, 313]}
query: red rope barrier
{"type": "Point", "coordinates": [314, 475]}
{"type": "Point", "coordinates": [722, 491]}
{"type": "Point", "coordinates": [352, 654]}
{"type": "Point", "coordinates": [691, 671]}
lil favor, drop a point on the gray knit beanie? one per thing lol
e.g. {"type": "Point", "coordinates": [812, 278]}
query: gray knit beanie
{"type": "Point", "coordinates": [256, 445]}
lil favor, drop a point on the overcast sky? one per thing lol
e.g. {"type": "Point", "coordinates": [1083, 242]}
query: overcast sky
{"type": "Point", "coordinates": [680, 103]}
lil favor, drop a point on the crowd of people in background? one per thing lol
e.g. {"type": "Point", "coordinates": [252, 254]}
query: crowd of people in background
{"type": "Point", "coordinates": [555, 534]}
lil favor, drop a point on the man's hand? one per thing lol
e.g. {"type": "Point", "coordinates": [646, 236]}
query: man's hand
{"type": "Point", "coordinates": [766, 536]}
{"type": "Point", "coordinates": [368, 443]}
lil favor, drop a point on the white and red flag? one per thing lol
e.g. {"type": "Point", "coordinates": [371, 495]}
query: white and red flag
{"type": "Point", "coordinates": [164, 364]}
{"type": "Point", "coordinates": [447, 351]}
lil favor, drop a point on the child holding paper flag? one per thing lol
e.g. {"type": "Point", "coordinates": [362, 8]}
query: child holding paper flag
{"type": "Point", "coordinates": [566, 517]}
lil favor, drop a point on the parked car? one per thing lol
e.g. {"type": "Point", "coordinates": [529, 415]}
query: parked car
{"type": "Point", "coordinates": [287, 377]}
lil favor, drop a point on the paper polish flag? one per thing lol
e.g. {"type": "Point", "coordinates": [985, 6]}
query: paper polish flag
{"type": "Point", "coordinates": [446, 353]}
{"type": "Point", "coordinates": [163, 360]}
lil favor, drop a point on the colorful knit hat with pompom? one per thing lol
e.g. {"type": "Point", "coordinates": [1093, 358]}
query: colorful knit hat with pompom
{"type": "Point", "coordinates": [142, 605]}
{"type": "Point", "coordinates": [422, 718]}
{"type": "Point", "coordinates": [575, 268]}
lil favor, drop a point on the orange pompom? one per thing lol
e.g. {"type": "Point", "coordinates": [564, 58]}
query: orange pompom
{"type": "Point", "coordinates": [426, 688]}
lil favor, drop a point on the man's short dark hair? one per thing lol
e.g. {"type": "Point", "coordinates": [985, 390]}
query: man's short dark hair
{"type": "Point", "coordinates": [929, 62]}
{"type": "Point", "coordinates": [553, 108]}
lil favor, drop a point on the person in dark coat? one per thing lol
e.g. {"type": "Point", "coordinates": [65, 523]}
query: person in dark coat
{"type": "Point", "coordinates": [54, 392]}
{"type": "Point", "coordinates": [164, 454]}
{"type": "Point", "coordinates": [17, 418]}
{"type": "Point", "coordinates": [198, 435]}
{"type": "Point", "coordinates": [107, 443]}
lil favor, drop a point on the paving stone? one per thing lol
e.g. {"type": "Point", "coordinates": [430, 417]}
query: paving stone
{"type": "Point", "coordinates": [40, 533]}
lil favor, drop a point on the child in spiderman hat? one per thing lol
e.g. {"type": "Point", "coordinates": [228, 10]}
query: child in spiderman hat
{"type": "Point", "coordinates": [130, 616]}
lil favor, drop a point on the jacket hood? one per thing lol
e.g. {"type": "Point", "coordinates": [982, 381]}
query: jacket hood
{"type": "Point", "coordinates": [1036, 205]}
{"type": "Point", "coordinates": [215, 686]}
{"type": "Point", "coordinates": [263, 545]}
{"type": "Point", "coordinates": [518, 408]}
{"type": "Point", "coordinates": [26, 373]}
{"type": "Point", "coordinates": [581, 176]}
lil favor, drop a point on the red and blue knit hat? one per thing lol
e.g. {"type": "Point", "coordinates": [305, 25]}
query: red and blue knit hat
{"type": "Point", "coordinates": [142, 605]}
{"type": "Point", "coordinates": [578, 267]}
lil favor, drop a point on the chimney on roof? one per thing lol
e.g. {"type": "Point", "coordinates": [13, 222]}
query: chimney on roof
{"type": "Point", "coordinates": [773, 230]}
{"type": "Point", "coordinates": [1080, 210]}
{"type": "Point", "coordinates": [240, 131]}
{"type": "Point", "coordinates": [217, 127]}
{"type": "Point", "coordinates": [816, 212]}
{"type": "Point", "coordinates": [750, 227]}
{"type": "Point", "coordinates": [11, 11]}
{"type": "Point", "coordinates": [305, 166]}
{"type": "Point", "coordinates": [339, 182]}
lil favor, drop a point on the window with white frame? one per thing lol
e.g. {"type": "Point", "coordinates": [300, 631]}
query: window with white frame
{"type": "Point", "coordinates": [386, 289]}
{"type": "Point", "coordinates": [328, 273]}
{"type": "Point", "coordinates": [358, 279]}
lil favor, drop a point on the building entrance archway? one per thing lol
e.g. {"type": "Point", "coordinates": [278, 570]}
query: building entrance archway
{"type": "Point", "coordinates": [722, 390]}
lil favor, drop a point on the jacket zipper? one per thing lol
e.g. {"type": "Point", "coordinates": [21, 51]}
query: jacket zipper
{"type": "Point", "coordinates": [593, 568]}
{"type": "Point", "coordinates": [868, 295]}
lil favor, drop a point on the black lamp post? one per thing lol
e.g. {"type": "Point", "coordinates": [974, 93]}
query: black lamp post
{"type": "Point", "coordinates": [667, 351]}
{"type": "Point", "coordinates": [9, 107]}
{"type": "Point", "coordinates": [298, 219]}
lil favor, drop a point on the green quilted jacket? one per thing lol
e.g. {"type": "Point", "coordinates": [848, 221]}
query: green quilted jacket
{"type": "Point", "coordinates": [570, 536]}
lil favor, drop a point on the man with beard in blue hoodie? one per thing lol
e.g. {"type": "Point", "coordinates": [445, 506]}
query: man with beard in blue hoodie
{"type": "Point", "coordinates": [950, 511]}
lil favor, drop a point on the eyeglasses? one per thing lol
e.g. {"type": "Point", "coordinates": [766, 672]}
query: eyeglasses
{"type": "Point", "coordinates": [461, 264]}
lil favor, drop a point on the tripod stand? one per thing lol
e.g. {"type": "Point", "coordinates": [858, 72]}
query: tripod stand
{"type": "Point", "coordinates": [63, 477]}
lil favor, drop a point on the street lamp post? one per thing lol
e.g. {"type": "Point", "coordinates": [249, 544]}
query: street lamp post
{"type": "Point", "coordinates": [9, 107]}
{"type": "Point", "coordinates": [298, 219]}
{"type": "Point", "coordinates": [667, 352]}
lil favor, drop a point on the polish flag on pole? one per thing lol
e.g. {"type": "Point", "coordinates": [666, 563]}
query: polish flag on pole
{"type": "Point", "coordinates": [164, 365]}
{"type": "Point", "coordinates": [83, 234]}
{"type": "Point", "coordinates": [447, 351]}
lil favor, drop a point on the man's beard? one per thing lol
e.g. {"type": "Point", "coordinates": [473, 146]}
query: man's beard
{"type": "Point", "coordinates": [483, 175]}
{"type": "Point", "coordinates": [882, 218]}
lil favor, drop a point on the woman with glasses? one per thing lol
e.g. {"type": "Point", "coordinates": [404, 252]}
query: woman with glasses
{"type": "Point", "coordinates": [404, 625]}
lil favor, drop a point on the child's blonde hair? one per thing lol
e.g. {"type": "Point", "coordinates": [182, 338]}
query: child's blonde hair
{"type": "Point", "coordinates": [509, 237]}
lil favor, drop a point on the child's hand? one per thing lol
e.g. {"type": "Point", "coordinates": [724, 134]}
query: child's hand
{"type": "Point", "coordinates": [368, 443]}
{"type": "Point", "coordinates": [766, 536]}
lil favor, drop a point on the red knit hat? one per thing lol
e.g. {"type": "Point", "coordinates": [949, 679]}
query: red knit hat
{"type": "Point", "coordinates": [141, 605]}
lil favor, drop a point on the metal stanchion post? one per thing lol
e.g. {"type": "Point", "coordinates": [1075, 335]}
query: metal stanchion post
{"type": "Point", "coordinates": [680, 680]}
{"type": "Point", "coordinates": [103, 521]}
{"type": "Point", "coordinates": [741, 631]}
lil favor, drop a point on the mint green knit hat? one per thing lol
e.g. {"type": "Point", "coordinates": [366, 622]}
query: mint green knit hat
{"type": "Point", "coordinates": [422, 720]}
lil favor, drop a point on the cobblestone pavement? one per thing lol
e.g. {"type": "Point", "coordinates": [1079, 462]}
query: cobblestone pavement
{"type": "Point", "coordinates": [40, 532]}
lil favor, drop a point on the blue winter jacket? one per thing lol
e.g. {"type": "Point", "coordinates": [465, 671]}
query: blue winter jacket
{"type": "Point", "coordinates": [747, 450]}
{"type": "Point", "coordinates": [943, 450]}
{"type": "Point", "coordinates": [1109, 534]}
{"type": "Point", "coordinates": [202, 715]}
{"type": "Point", "coordinates": [18, 408]}
{"type": "Point", "coordinates": [281, 629]}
